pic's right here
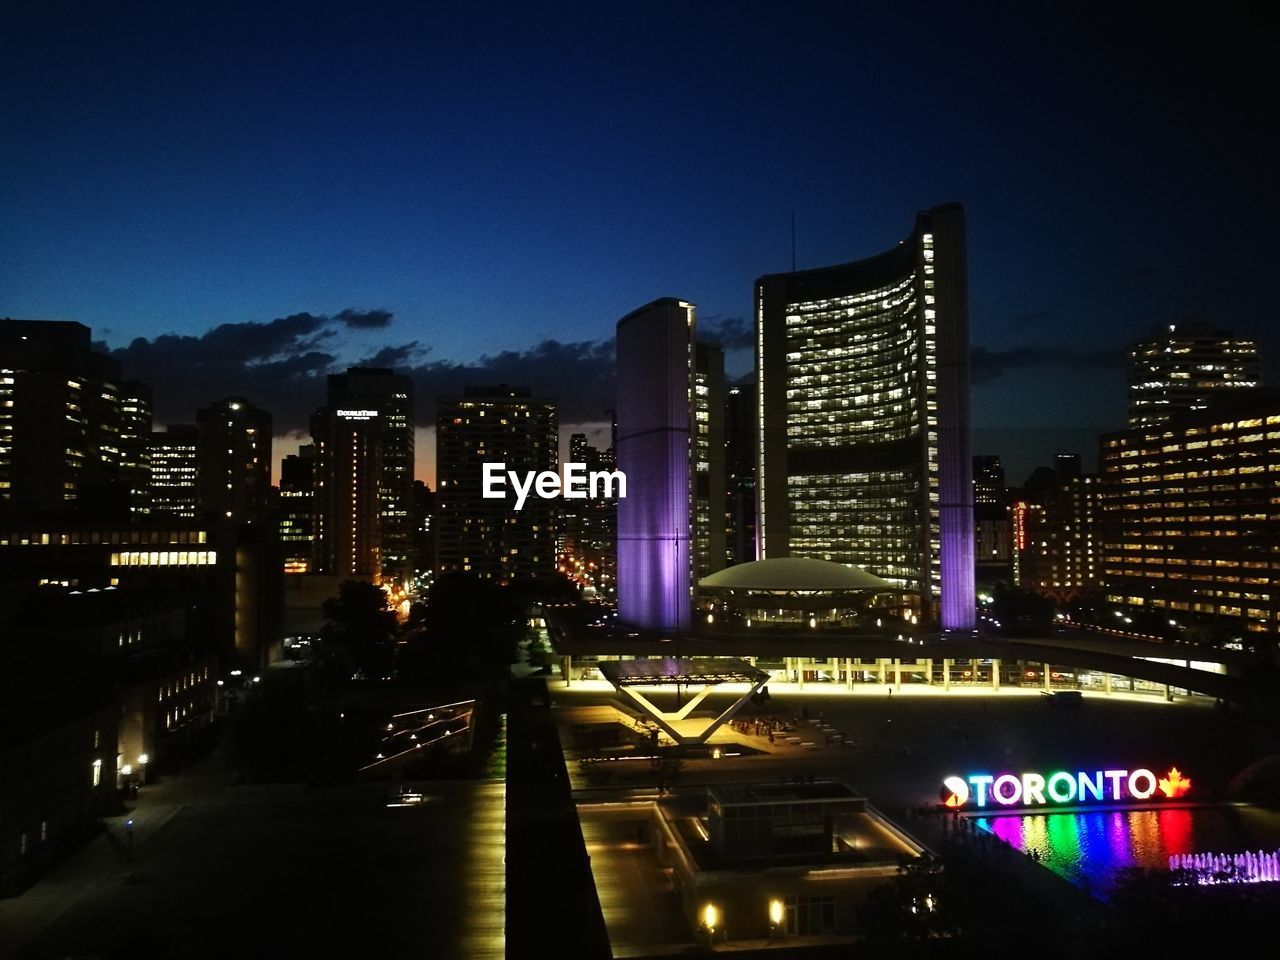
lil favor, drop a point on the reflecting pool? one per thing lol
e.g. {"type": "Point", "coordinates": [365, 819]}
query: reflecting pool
{"type": "Point", "coordinates": [1089, 848]}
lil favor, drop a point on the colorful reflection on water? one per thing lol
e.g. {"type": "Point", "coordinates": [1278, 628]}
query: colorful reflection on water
{"type": "Point", "coordinates": [1089, 848]}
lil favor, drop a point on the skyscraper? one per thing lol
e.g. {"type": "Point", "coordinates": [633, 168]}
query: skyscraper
{"type": "Point", "coordinates": [990, 521]}
{"type": "Point", "coordinates": [364, 474]}
{"type": "Point", "coordinates": [656, 414]}
{"type": "Point", "coordinates": [1189, 521]}
{"type": "Point", "coordinates": [172, 467]}
{"type": "Point", "coordinates": [864, 410]}
{"type": "Point", "coordinates": [297, 510]}
{"type": "Point", "coordinates": [61, 428]}
{"type": "Point", "coordinates": [740, 473]}
{"type": "Point", "coordinates": [586, 532]}
{"type": "Point", "coordinates": [1180, 369]}
{"type": "Point", "coordinates": [707, 433]}
{"type": "Point", "coordinates": [233, 455]}
{"type": "Point", "coordinates": [489, 537]}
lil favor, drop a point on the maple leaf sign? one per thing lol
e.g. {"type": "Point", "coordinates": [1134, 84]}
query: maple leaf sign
{"type": "Point", "coordinates": [1174, 785]}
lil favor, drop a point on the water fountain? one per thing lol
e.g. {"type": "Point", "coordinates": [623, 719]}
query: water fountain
{"type": "Point", "coordinates": [1213, 868]}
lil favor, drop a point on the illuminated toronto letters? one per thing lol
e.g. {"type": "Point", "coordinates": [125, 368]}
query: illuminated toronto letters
{"type": "Point", "coordinates": [572, 483]}
{"type": "Point", "coordinates": [1083, 786]}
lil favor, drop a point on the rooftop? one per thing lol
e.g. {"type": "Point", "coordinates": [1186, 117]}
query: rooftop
{"type": "Point", "coordinates": [790, 574]}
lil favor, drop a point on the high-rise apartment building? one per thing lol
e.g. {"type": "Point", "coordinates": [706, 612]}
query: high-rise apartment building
{"type": "Point", "coordinates": [172, 467]}
{"type": "Point", "coordinates": [708, 442]}
{"type": "Point", "coordinates": [1058, 551]}
{"type": "Point", "coordinates": [233, 454]}
{"type": "Point", "coordinates": [1182, 368]}
{"type": "Point", "coordinates": [586, 531]}
{"type": "Point", "coordinates": [1190, 521]}
{"type": "Point", "coordinates": [135, 439]}
{"type": "Point", "coordinates": [297, 510]}
{"type": "Point", "coordinates": [63, 444]}
{"type": "Point", "coordinates": [863, 379]}
{"type": "Point", "coordinates": [364, 440]}
{"type": "Point", "coordinates": [991, 521]}
{"type": "Point", "coordinates": [489, 537]}
{"type": "Point", "coordinates": [740, 473]}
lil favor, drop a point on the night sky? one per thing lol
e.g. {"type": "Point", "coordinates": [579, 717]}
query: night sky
{"type": "Point", "coordinates": [239, 200]}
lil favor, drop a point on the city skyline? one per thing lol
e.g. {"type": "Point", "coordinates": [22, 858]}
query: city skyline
{"type": "Point", "coordinates": [367, 194]}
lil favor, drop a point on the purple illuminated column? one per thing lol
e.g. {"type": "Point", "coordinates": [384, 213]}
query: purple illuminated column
{"type": "Point", "coordinates": [655, 382]}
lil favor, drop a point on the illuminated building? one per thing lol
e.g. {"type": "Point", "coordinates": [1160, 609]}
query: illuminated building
{"type": "Point", "coordinates": [587, 550]}
{"type": "Point", "coordinates": [71, 435]}
{"type": "Point", "coordinates": [708, 442]}
{"type": "Point", "coordinates": [297, 510]}
{"type": "Point", "coordinates": [488, 537]}
{"type": "Point", "coordinates": [991, 521]}
{"type": "Point", "coordinates": [1190, 525]}
{"type": "Point", "coordinates": [227, 577]}
{"type": "Point", "coordinates": [1182, 368]}
{"type": "Point", "coordinates": [740, 473]}
{"type": "Point", "coordinates": [364, 443]}
{"type": "Point", "coordinates": [172, 466]}
{"type": "Point", "coordinates": [233, 461]}
{"type": "Point", "coordinates": [656, 412]}
{"type": "Point", "coordinates": [1058, 552]}
{"type": "Point", "coordinates": [864, 417]}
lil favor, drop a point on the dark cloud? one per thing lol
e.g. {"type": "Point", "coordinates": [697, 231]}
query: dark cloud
{"type": "Point", "coordinates": [579, 375]}
{"type": "Point", "coordinates": [395, 357]}
{"type": "Point", "coordinates": [365, 319]}
{"type": "Point", "coordinates": [986, 365]}
{"type": "Point", "coordinates": [732, 333]}
{"type": "Point", "coordinates": [278, 364]}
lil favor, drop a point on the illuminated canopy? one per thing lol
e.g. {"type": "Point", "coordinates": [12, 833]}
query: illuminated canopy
{"type": "Point", "coordinates": [702, 670]}
{"type": "Point", "coordinates": [627, 675]}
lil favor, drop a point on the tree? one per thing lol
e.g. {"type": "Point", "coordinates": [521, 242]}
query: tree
{"type": "Point", "coordinates": [466, 622]}
{"type": "Point", "coordinates": [361, 627]}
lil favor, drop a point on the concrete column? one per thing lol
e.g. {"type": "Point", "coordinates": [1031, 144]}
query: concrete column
{"type": "Point", "coordinates": [566, 669]}
{"type": "Point", "coordinates": [1047, 671]}
{"type": "Point", "coordinates": [928, 673]}
{"type": "Point", "coordinates": [880, 662]}
{"type": "Point", "coordinates": [995, 674]}
{"type": "Point", "coordinates": [848, 673]}
{"type": "Point", "coordinates": [946, 674]}
{"type": "Point", "coordinates": [1106, 682]}
{"type": "Point", "coordinates": [897, 674]}
{"type": "Point", "coordinates": [1167, 695]}
{"type": "Point", "coordinates": [786, 662]}
{"type": "Point", "coordinates": [800, 661]}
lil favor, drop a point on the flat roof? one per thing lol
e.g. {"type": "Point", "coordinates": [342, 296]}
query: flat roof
{"type": "Point", "coordinates": [681, 670]}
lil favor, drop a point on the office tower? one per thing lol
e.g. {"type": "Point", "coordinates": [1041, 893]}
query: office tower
{"type": "Point", "coordinates": [297, 510]}
{"type": "Point", "coordinates": [489, 537]}
{"type": "Point", "coordinates": [60, 423]}
{"type": "Point", "coordinates": [864, 409]}
{"type": "Point", "coordinates": [740, 473]}
{"type": "Point", "coordinates": [1058, 546]}
{"type": "Point", "coordinates": [1189, 522]}
{"type": "Point", "coordinates": [172, 468]}
{"type": "Point", "coordinates": [655, 411]}
{"type": "Point", "coordinates": [135, 438]}
{"type": "Point", "coordinates": [586, 549]}
{"type": "Point", "coordinates": [233, 461]}
{"type": "Point", "coordinates": [991, 526]}
{"type": "Point", "coordinates": [1181, 368]}
{"type": "Point", "coordinates": [708, 441]}
{"type": "Point", "coordinates": [423, 507]}
{"type": "Point", "coordinates": [364, 462]}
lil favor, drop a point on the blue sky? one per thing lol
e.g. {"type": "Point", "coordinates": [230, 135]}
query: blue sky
{"type": "Point", "coordinates": [505, 182]}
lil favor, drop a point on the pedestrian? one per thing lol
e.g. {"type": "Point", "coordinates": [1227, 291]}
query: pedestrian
{"type": "Point", "coordinates": [771, 738]}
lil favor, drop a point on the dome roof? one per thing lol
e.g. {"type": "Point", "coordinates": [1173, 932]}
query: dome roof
{"type": "Point", "coordinates": [793, 573]}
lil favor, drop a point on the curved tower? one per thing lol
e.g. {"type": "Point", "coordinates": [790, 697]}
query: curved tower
{"type": "Point", "coordinates": [863, 409]}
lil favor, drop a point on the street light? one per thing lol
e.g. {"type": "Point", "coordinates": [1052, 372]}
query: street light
{"type": "Point", "coordinates": [777, 913]}
{"type": "Point", "coordinates": [710, 918]}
